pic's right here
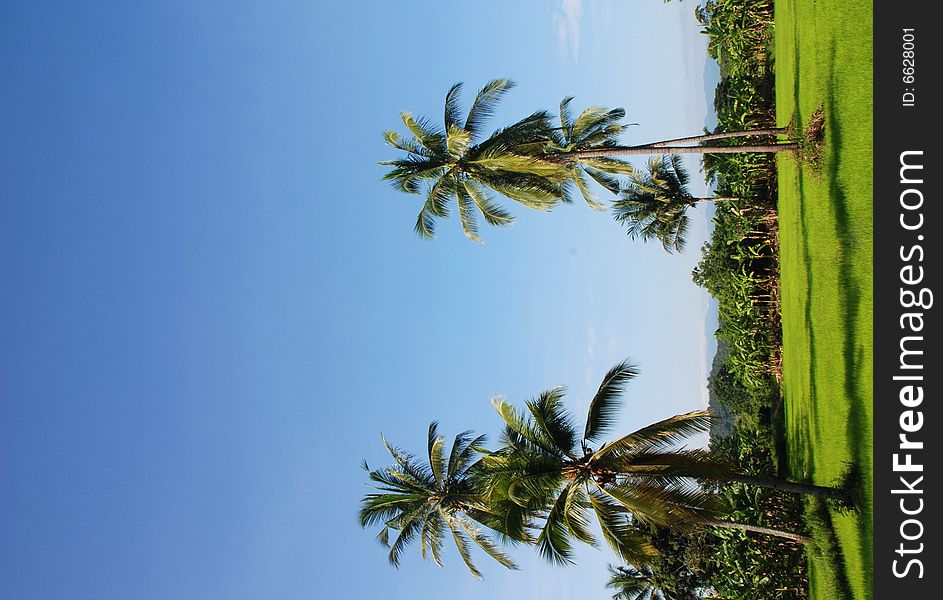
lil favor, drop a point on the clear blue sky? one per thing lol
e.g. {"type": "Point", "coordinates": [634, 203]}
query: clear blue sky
{"type": "Point", "coordinates": [211, 305]}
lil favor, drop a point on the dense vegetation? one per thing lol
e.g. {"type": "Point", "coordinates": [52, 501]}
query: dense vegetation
{"type": "Point", "coordinates": [740, 269]}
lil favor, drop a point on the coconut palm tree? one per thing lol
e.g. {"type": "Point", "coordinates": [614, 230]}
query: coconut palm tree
{"type": "Point", "coordinates": [427, 501]}
{"type": "Point", "coordinates": [644, 475]}
{"type": "Point", "coordinates": [653, 204]}
{"type": "Point", "coordinates": [531, 161]}
{"type": "Point", "coordinates": [457, 162]}
{"type": "Point", "coordinates": [632, 583]}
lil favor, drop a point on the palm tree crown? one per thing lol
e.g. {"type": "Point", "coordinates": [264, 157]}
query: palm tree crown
{"type": "Point", "coordinates": [457, 162]}
{"type": "Point", "coordinates": [546, 462]}
{"type": "Point", "coordinates": [425, 501]}
{"type": "Point", "coordinates": [631, 583]}
{"type": "Point", "coordinates": [654, 202]}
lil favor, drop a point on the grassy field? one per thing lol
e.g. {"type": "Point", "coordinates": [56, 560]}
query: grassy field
{"type": "Point", "coordinates": [823, 60]}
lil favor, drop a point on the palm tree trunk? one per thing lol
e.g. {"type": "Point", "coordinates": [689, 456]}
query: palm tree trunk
{"type": "Point", "coordinates": [654, 149]}
{"type": "Point", "coordinates": [720, 136]}
{"type": "Point", "coordinates": [796, 537]}
{"type": "Point", "coordinates": [717, 199]}
{"type": "Point", "coordinates": [796, 488]}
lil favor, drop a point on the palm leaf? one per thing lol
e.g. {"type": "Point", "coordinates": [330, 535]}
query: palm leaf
{"type": "Point", "coordinates": [554, 422]}
{"type": "Point", "coordinates": [457, 140]}
{"type": "Point", "coordinates": [617, 530]}
{"type": "Point", "coordinates": [463, 449]}
{"type": "Point", "coordinates": [582, 184]}
{"type": "Point", "coordinates": [553, 542]}
{"type": "Point", "coordinates": [605, 404]}
{"type": "Point", "coordinates": [411, 468]}
{"type": "Point", "coordinates": [408, 528]}
{"type": "Point", "coordinates": [436, 456]}
{"type": "Point", "coordinates": [466, 211]}
{"type": "Point", "coordinates": [464, 548]}
{"type": "Point", "coordinates": [426, 135]}
{"type": "Point", "coordinates": [604, 179]}
{"type": "Point", "coordinates": [664, 433]}
{"type": "Point", "coordinates": [453, 109]}
{"type": "Point", "coordinates": [485, 543]}
{"type": "Point", "coordinates": [485, 102]}
{"type": "Point", "coordinates": [493, 214]}
{"type": "Point", "coordinates": [431, 537]}
{"type": "Point", "coordinates": [575, 514]}
{"type": "Point", "coordinates": [522, 426]}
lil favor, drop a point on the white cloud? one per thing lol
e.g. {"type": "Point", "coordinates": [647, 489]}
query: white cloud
{"type": "Point", "coordinates": [566, 22]}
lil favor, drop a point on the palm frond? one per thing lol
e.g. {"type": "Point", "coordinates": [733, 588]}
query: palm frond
{"type": "Point", "coordinates": [408, 528]}
{"type": "Point", "coordinates": [579, 179]}
{"type": "Point", "coordinates": [671, 505]}
{"type": "Point", "coordinates": [457, 140]}
{"type": "Point", "coordinates": [464, 448]}
{"type": "Point", "coordinates": [466, 212]}
{"type": "Point", "coordinates": [493, 214]}
{"type": "Point", "coordinates": [453, 109]}
{"type": "Point", "coordinates": [430, 538]}
{"type": "Point", "coordinates": [553, 543]}
{"type": "Point", "coordinates": [618, 532]}
{"type": "Point", "coordinates": [378, 508]}
{"type": "Point", "coordinates": [436, 455]}
{"type": "Point", "coordinates": [485, 543]}
{"type": "Point", "coordinates": [610, 165]}
{"type": "Point", "coordinates": [554, 422]}
{"type": "Point", "coordinates": [424, 132]}
{"type": "Point", "coordinates": [523, 426]}
{"type": "Point", "coordinates": [414, 470]}
{"type": "Point", "coordinates": [594, 118]}
{"type": "Point", "coordinates": [574, 512]}
{"type": "Point", "coordinates": [604, 179]}
{"type": "Point", "coordinates": [664, 433]}
{"type": "Point", "coordinates": [605, 404]}
{"type": "Point", "coordinates": [485, 103]}
{"type": "Point", "coordinates": [464, 548]}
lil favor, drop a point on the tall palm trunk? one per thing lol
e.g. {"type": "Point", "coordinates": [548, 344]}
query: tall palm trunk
{"type": "Point", "coordinates": [720, 136]}
{"type": "Point", "coordinates": [782, 485]}
{"type": "Point", "coordinates": [796, 537]}
{"type": "Point", "coordinates": [655, 149]}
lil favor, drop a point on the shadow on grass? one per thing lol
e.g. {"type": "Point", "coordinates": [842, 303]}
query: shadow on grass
{"type": "Point", "coordinates": [857, 432]}
{"type": "Point", "coordinates": [854, 385]}
{"type": "Point", "coordinates": [825, 546]}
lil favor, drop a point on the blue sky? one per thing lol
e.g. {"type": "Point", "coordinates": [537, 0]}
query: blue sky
{"type": "Point", "coordinates": [212, 306]}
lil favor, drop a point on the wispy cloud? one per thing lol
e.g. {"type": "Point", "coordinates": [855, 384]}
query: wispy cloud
{"type": "Point", "coordinates": [566, 22]}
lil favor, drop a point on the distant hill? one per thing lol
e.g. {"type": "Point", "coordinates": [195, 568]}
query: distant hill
{"type": "Point", "coordinates": [722, 426]}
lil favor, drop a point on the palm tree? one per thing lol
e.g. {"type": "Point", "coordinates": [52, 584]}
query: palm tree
{"type": "Point", "coordinates": [642, 475]}
{"type": "Point", "coordinates": [653, 203]}
{"type": "Point", "coordinates": [425, 501]}
{"type": "Point", "coordinates": [531, 161]}
{"type": "Point", "coordinates": [455, 162]}
{"type": "Point", "coordinates": [632, 583]}
{"type": "Point", "coordinates": [595, 127]}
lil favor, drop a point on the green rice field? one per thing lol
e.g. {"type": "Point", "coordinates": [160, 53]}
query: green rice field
{"type": "Point", "coordinates": [823, 60]}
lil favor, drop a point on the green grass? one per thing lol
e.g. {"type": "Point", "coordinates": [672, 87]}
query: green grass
{"type": "Point", "coordinates": [823, 59]}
